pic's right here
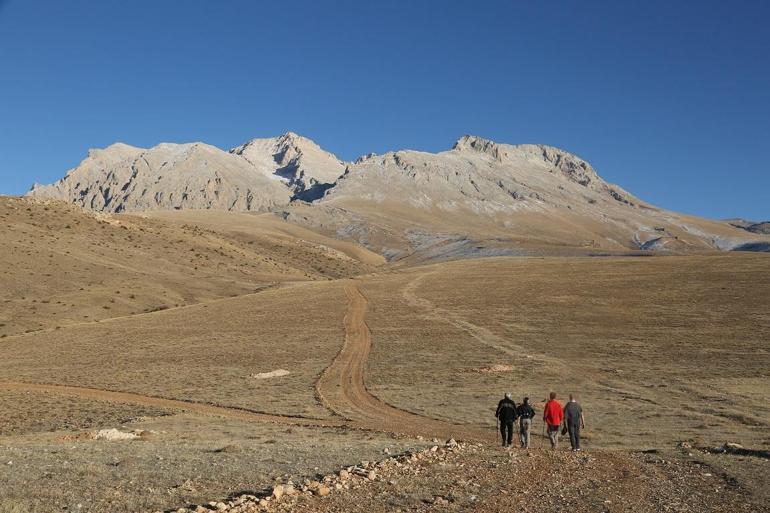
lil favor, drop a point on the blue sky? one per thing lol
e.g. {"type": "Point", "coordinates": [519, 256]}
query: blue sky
{"type": "Point", "coordinates": [671, 100]}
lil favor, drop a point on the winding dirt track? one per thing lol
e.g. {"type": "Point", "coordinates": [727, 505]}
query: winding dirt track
{"type": "Point", "coordinates": [341, 387]}
{"type": "Point", "coordinates": [170, 404]}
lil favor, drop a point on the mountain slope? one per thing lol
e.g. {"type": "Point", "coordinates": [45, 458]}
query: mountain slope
{"type": "Point", "coordinates": [763, 227]}
{"type": "Point", "coordinates": [62, 265]}
{"type": "Point", "coordinates": [256, 176]}
{"type": "Point", "coordinates": [306, 168]}
{"type": "Point", "coordinates": [479, 198]}
{"type": "Point", "coordinates": [166, 177]}
{"type": "Point", "coordinates": [484, 198]}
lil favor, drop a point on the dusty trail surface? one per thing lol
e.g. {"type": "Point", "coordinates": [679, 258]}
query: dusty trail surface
{"type": "Point", "coordinates": [171, 404]}
{"type": "Point", "coordinates": [479, 333]}
{"type": "Point", "coordinates": [342, 389]}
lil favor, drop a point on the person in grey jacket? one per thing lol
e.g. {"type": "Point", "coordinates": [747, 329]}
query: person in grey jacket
{"type": "Point", "coordinates": [574, 422]}
{"type": "Point", "coordinates": [526, 414]}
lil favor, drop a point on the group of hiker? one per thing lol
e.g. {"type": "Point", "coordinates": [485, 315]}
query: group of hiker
{"type": "Point", "coordinates": [567, 419]}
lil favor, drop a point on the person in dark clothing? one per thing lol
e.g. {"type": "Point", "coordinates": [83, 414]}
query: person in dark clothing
{"type": "Point", "coordinates": [506, 413]}
{"type": "Point", "coordinates": [574, 421]}
{"type": "Point", "coordinates": [526, 414]}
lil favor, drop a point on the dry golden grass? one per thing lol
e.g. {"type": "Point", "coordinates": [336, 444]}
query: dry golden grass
{"type": "Point", "coordinates": [203, 352]}
{"type": "Point", "coordinates": [267, 230]}
{"type": "Point", "coordinates": [60, 265]}
{"type": "Point", "coordinates": [658, 349]}
{"type": "Point", "coordinates": [182, 459]}
{"type": "Point", "coordinates": [27, 412]}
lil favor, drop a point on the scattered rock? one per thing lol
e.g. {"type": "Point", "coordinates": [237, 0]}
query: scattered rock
{"type": "Point", "coordinates": [114, 435]}
{"type": "Point", "coordinates": [498, 367]}
{"type": "Point", "coordinates": [272, 374]}
{"type": "Point", "coordinates": [440, 501]}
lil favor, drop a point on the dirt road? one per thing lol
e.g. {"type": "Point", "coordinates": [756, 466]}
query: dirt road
{"type": "Point", "coordinates": [342, 388]}
{"type": "Point", "coordinates": [170, 404]}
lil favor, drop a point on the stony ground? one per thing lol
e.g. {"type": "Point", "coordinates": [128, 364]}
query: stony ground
{"type": "Point", "coordinates": [478, 477]}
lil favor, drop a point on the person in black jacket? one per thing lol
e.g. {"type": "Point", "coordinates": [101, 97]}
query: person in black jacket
{"type": "Point", "coordinates": [506, 413]}
{"type": "Point", "coordinates": [526, 414]}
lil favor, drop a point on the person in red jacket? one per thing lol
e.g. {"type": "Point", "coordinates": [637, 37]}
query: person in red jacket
{"type": "Point", "coordinates": [552, 417]}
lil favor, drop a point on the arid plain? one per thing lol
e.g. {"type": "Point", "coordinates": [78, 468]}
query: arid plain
{"type": "Point", "coordinates": [168, 325]}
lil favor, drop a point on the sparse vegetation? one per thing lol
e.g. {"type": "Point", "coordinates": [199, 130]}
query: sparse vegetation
{"type": "Point", "coordinates": [659, 349]}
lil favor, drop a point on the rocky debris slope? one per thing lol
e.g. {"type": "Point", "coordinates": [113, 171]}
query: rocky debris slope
{"type": "Point", "coordinates": [474, 477]}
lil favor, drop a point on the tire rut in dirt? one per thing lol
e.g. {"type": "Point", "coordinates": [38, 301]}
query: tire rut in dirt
{"type": "Point", "coordinates": [170, 404]}
{"type": "Point", "coordinates": [342, 389]}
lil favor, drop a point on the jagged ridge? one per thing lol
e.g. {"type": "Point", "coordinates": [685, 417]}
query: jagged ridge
{"type": "Point", "coordinates": [530, 192]}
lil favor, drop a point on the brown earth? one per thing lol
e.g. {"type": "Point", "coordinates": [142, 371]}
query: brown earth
{"type": "Point", "coordinates": [341, 387]}
{"type": "Point", "coordinates": [61, 266]}
{"type": "Point", "coordinates": [661, 351]}
{"type": "Point", "coordinates": [495, 480]}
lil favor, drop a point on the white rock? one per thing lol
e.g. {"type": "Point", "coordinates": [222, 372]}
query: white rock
{"type": "Point", "coordinates": [272, 374]}
{"type": "Point", "coordinates": [114, 435]}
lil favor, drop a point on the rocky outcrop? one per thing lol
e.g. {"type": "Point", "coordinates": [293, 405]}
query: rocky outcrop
{"type": "Point", "coordinates": [480, 175]}
{"type": "Point", "coordinates": [256, 176]}
{"type": "Point", "coordinates": [167, 177]}
{"type": "Point", "coordinates": [307, 169]}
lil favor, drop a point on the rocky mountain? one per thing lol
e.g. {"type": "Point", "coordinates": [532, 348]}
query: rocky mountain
{"type": "Point", "coordinates": [485, 198]}
{"type": "Point", "coordinates": [307, 169]}
{"type": "Point", "coordinates": [256, 176]}
{"type": "Point", "coordinates": [478, 198]}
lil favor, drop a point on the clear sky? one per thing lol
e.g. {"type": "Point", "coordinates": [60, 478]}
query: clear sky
{"type": "Point", "coordinates": [671, 100]}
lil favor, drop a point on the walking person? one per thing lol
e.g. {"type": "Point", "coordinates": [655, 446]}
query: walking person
{"type": "Point", "coordinates": [526, 414]}
{"type": "Point", "coordinates": [574, 421]}
{"type": "Point", "coordinates": [552, 417]}
{"type": "Point", "coordinates": [506, 414]}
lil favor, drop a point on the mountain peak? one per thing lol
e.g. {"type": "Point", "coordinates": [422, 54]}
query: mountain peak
{"type": "Point", "coordinates": [292, 136]}
{"type": "Point", "coordinates": [306, 168]}
{"type": "Point", "coordinates": [475, 143]}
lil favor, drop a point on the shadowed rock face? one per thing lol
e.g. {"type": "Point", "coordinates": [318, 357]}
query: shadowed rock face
{"type": "Point", "coordinates": [305, 168]}
{"type": "Point", "coordinates": [758, 228]}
